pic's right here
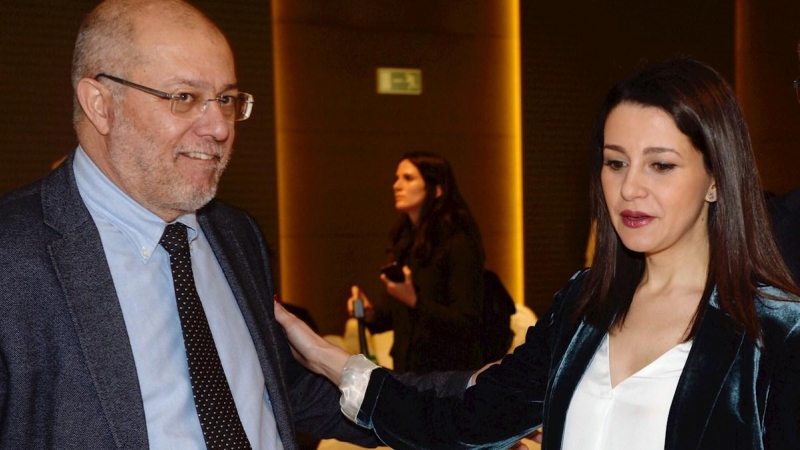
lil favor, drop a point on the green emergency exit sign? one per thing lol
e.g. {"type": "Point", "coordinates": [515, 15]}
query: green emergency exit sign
{"type": "Point", "coordinates": [392, 80]}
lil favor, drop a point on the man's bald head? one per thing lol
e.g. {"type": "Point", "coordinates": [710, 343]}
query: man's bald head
{"type": "Point", "coordinates": [108, 42]}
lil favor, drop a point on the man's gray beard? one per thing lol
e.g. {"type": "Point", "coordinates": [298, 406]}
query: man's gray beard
{"type": "Point", "coordinates": [194, 198]}
{"type": "Point", "coordinates": [127, 139]}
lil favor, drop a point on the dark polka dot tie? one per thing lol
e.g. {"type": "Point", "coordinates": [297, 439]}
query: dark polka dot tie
{"type": "Point", "coordinates": [219, 419]}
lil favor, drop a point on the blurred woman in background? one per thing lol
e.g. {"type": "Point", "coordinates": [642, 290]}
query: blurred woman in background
{"type": "Point", "coordinates": [434, 292]}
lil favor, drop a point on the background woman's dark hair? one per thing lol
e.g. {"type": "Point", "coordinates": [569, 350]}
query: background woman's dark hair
{"type": "Point", "coordinates": [743, 252]}
{"type": "Point", "coordinates": [440, 216]}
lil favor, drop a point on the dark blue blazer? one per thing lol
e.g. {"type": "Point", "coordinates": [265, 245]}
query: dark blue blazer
{"type": "Point", "coordinates": [732, 394]}
{"type": "Point", "coordinates": [67, 374]}
{"type": "Point", "coordinates": [785, 215]}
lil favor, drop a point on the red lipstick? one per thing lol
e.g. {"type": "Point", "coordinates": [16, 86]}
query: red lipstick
{"type": "Point", "coordinates": [635, 219]}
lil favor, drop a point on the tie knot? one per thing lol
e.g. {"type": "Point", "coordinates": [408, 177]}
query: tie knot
{"type": "Point", "coordinates": [174, 240]}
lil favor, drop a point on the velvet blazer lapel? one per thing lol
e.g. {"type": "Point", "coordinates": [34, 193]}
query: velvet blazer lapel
{"type": "Point", "coordinates": [242, 273]}
{"type": "Point", "coordinates": [79, 260]}
{"type": "Point", "coordinates": [577, 356]}
{"type": "Point", "coordinates": [714, 351]}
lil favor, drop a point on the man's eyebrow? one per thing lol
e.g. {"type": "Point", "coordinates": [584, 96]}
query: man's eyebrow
{"type": "Point", "coordinates": [201, 85]}
{"type": "Point", "coordinates": [229, 87]}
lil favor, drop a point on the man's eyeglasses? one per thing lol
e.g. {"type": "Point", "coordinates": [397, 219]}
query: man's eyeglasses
{"type": "Point", "coordinates": [191, 105]}
{"type": "Point", "coordinates": [796, 85]}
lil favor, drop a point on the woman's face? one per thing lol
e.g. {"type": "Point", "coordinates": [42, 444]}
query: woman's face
{"type": "Point", "coordinates": [409, 189]}
{"type": "Point", "coordinates": [654, 181]}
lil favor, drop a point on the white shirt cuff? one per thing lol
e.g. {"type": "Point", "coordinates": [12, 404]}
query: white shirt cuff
{"type": "Point", "coordinates": [353, 384]}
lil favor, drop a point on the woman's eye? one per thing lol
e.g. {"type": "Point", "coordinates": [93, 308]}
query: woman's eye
{"type": "Point", "coordinates": [663, 167]}
{"type": "Point", "coordinates": [614, 164]}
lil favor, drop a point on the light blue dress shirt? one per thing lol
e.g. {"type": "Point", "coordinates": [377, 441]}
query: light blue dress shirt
{"type": "Point", "coordinates": [143, 281]}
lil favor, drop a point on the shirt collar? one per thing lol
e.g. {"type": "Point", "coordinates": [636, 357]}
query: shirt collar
{"type": "Point", "coordinates": [141, 227]}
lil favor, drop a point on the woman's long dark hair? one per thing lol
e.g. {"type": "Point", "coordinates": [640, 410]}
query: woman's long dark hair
{"type": "Point", "coordinates": [743, 252]}
{"type": "Point", "coordinates": [440, 216]}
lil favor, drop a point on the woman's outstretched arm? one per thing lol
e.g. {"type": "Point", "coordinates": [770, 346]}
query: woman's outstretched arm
{"type": "Point", "coordinates": [310, 349]}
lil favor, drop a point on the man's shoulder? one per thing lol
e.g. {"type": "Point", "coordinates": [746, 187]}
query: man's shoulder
{"type": "Point", "coordinates": [53, 200]}
{"type": "Point", "coordinates": [785, 216]}
{"type": "Point", "coordinates": [21, 192]}
{"type": "Point", "coordinates": [785, 206]}
{"type": "Point", "coordinates": [21, 205]}
{"type": "Point", "coordinates": [223, 220]}
{"type": "Point", "coordinates": [24, 232]}
{"type": "Point", "coordinates": [219, 211]}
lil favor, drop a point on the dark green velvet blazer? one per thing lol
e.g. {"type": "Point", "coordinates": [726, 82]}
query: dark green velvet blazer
{"type": "Point", "coordinates": [732, 393]}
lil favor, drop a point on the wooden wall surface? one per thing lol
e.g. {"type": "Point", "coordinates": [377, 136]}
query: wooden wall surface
{"type": "Point", "coordinates": [339, 142]}
{"type": "Point", "coordinates": [342, 141]}
{"type": "Point", "coordinates": [571, 56]}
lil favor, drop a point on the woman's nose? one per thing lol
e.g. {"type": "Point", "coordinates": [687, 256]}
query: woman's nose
{"type": "Point", "coordinates": [632, 186]}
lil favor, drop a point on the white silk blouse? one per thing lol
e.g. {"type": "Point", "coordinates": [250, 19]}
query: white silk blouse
{"type": "Point", "coordinates": [630, 416]}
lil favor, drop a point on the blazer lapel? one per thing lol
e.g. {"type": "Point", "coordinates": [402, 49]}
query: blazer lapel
{"type": "Point", "coordinates": [713, 353]}
{"type": "Point", "coordinates": [233, 251]}
{"type": "Point", "coordinates": [85, 278]}
{"type": "Point", "coordinates": [577, 357]}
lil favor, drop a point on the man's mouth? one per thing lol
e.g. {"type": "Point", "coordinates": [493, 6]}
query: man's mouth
{"type": "Point", "coordinates": [201, 156]}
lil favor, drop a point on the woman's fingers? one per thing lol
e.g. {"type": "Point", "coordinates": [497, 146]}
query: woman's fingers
{"type": "Point", "coordinates": [311, 350]}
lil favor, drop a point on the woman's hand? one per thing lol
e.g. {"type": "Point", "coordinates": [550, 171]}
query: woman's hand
{"type": "Point", "coordinates": [311, 350]}
{"type": "Point", "coordinates": [357, 293]}
{"type": "Point", "coordinates": [535, 436]}
{"type": "Point", "coordinates": [404, 291]}
{"type": "Point", "coordinates": [474, 376]}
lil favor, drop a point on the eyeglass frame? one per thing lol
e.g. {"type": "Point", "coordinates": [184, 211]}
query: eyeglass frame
{"type": "Point", "coordinates": [245, 97]}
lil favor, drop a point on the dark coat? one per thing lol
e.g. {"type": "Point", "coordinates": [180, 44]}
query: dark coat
{"type": "Point", "coordinates": [443, 331]}
{"type": "Point", "coordinates": [67, 374]}
{"type": "Point", "coordinates": [731, 394]}
{"type": "Point", "coordinates": [785, 215]}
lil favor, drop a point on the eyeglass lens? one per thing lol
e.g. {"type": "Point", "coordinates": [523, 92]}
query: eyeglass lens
{"type": "Point", "coordinates": [232, 107]}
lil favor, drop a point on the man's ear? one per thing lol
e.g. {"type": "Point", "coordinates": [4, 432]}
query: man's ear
{"type": "Point", "coordinates": [96, 103]}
